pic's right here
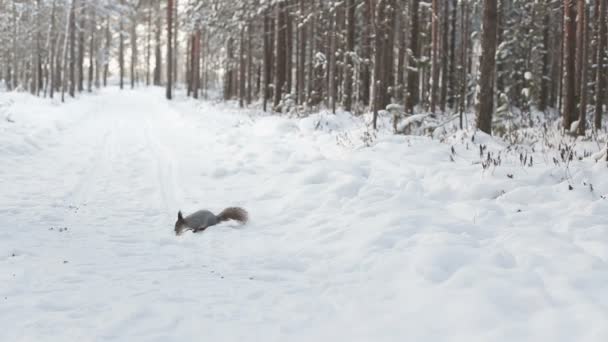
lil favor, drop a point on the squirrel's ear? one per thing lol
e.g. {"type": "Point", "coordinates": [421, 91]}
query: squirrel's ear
{"type": "Point", "coordinates": [179, 216]}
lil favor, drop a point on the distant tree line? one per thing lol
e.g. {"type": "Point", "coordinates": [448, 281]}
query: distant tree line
{"type": "Point", "coordinates": [491, 57]}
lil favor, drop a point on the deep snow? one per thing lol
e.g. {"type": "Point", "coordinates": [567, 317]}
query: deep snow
{"type": "Point", "coordinates": [388, 242]}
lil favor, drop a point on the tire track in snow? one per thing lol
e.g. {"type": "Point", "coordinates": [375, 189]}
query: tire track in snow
{"type": "Point", "coordinates": [166, 169]}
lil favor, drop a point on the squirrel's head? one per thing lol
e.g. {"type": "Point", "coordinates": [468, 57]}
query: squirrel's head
{"type": "Point", "coordinates": [179, 224]}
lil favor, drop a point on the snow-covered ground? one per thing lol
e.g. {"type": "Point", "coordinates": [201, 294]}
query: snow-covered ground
{"type": "Point", "coordinates": [401, 240]}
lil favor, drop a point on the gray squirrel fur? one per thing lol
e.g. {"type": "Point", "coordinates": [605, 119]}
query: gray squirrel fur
{"type": "Point", "coordinates": [203, 219]}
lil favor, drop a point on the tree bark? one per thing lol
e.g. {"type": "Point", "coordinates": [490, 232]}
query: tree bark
{"type": "Point", "coordinates": [366, 53]}
{"type": "Point", "coordinates": [413, 86]}
{"type": "Point", "coordinates": [158, 63]}
{"type": "Point", "coordinates": [569, 81]}
{"type": "Point", "coordinates": [169, 91]}
{"type": "Point", "coordinates": [435, 54]}
{"type": "Point", "coordinates": [350, 51]}
{"type": "Point", "coordinates": [121, 48]}
{"type": "Point", "coordinates": [281, 56]}
{"type": "Point", "coordinates": [600, 75]}
{"type": "Point", "coordinates": [91, 48]}
{"type": "Point", "coordinates": [81, 48]}
{"type": "Point", "coordinates": [72, 88]}
{"type": "Point", "coordinates": [544, 82]}
{"type": "Point", "coordinates": [486, 67]}
{"type": "Point", "coordinates": [582, 45]}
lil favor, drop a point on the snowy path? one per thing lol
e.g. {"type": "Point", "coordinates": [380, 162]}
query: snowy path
{"type": "Point", "coordinates": [389, 243]}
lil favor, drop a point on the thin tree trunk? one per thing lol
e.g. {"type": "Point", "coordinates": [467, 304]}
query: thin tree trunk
{"type": "Point", "coordinates": [600, 75]}
{"type": "Point", "coordinates": [81, 47]}
{"type": "Point", "coordinates": [302, 34]}
{"type": "Point", "coordinates": [169, 93]}
{"type": "Point", "coordinates": [544, 82]}
{"type": "Point", "coordinates": [366, 52]}
{"type": "Point", "coordinates": [68, 25]}
{"type": "Point", "coordinates": [444, 56]}
{"type": "Point", "coordinates": [175, 43]}
{"type": "Point", "coordinates": [242, 68]}
{"type": "Point", "coordinates": [582, 45]}
{"type": "Point", "coordinates": [350, 51]}
{"type": "Point", "coordinates": [52, 79]}
{"type": "Point", "coordinates": [435, 55]}
{"type": "Point", "coordinates": [148, 44]}
{"type": "Point", "coordinates": [92, 48]}
{"type": "Point", "coordinates": [569, 81]}
{"type": "Point", "coordinates": [106, 60]}
{"type": "Point", "coordinates": [121, 49]}
{"type": "Point", "coordinates": [197, 66]}
{"type": "Point", "coordinates": [249, 62]}
{"type": "Point", "coordinates": [72, 88]}
{"type": "Point", "coordinates": [157, 47]}
{"type": "Point", "coordinates": [452, 70]}
{"type": "Point", "coordinates": [413, 81]}
{"type": "Point", "coordinates": [281, 56]}
{"type": "Point", "coordinates": [267, 61]}
{"type": "Point", "coordinates": [379, 81]}
{"type": "Point", "coordinates": [332, 62]}
{"type": "Point", "coordinates": [134, 52]}
{"type": "Point", "coordinates": [486, 67]}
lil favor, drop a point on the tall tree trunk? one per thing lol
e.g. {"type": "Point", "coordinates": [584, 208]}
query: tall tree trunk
{"type": "Point", "coordinates": [544, 82]}
{"type": "Point", "coordinates": [452, 70]}
{"type": "Point", "coordinates": [242, 68]}
{"type": "Point", "coordinates": [106, 59]}
{"type": "Point", "coordinates": [381, 38]}
{"type": "Point", "coordinates": [121, 48]}
{"type": "Point", "coordinates": [389, 56]}
{"type": "Point", "coordinates": [148, 44]}
{"type": "Point", "coordinates": [229, 77]}
{"type": "Point", "coordinates": [582, 45]}
{"type": "Point", "coordinates": [38, 63]}
{"type": "Point", "coordinates": [189, 64]}
{"type": "Point", "coordinates": [311, 79]}
{"type": "Point", "coordinates": [54, 41]}
{"type": "Point", "coordinates": [289, 47]}
{"type": "Point", "coordinates": [92, 47]}
{"type": "Point", "coordinates": [175, 43]}
{"type": "Point", "coordinates": [134, 52]}
{"type": "Point", "coordinates": [68, 26]}
{"type": "Point", "coordinates": [169, 93]}
{"type": "Point", "coordinates": [268, 38]}
{"type": "Point", "coordinates": [435, 54]}
{"type": "Point", "coordinates": [281, 56]}
{"type": "Point", "coordinates": [158, 64]}
{"type": "Point", "coordinates": [600, 75]}
{"type": "Point", "coordinates": [350, 51]}
{"type": "Point", "coordinates": [302, 34]}
{"type": "Point", "coordinates": [413, 86]}
{"type": "Point", "coordinates": [81, 47]}
{"type": "Point", "coordinates": [401, 62]}
{"type": "Point", "coordinates": [464, 60]}
{"type": "Point", "coordinates": [332, 61]}
{"type": "Point", "coordinates": [569, 81]}
{"type": "Point", "coordinates": [366, 52]}
{"type": "Point", "coordinates": [486, 67]}
{"type": "Point", "coordinates": [444, 56]}
{"type": "Point", "coordinates": [580, 42]}
{"type": "Point", "coordinates": [249, 63]}
{"type": "Point", "coordinates": [72, 88]}
{"type": "Point", "coordinates": [196, 73]}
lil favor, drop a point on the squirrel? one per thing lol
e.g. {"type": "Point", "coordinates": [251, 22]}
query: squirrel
{"type": "Point", "coordinates": [203, 219]}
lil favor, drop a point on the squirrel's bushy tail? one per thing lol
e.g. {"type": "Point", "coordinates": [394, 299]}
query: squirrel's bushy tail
{"type": "Point", "coordinates": [234, 213]}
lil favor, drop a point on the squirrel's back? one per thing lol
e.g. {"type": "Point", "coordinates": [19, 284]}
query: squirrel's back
{"type": "Point", "coordinates": [201, 218]}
